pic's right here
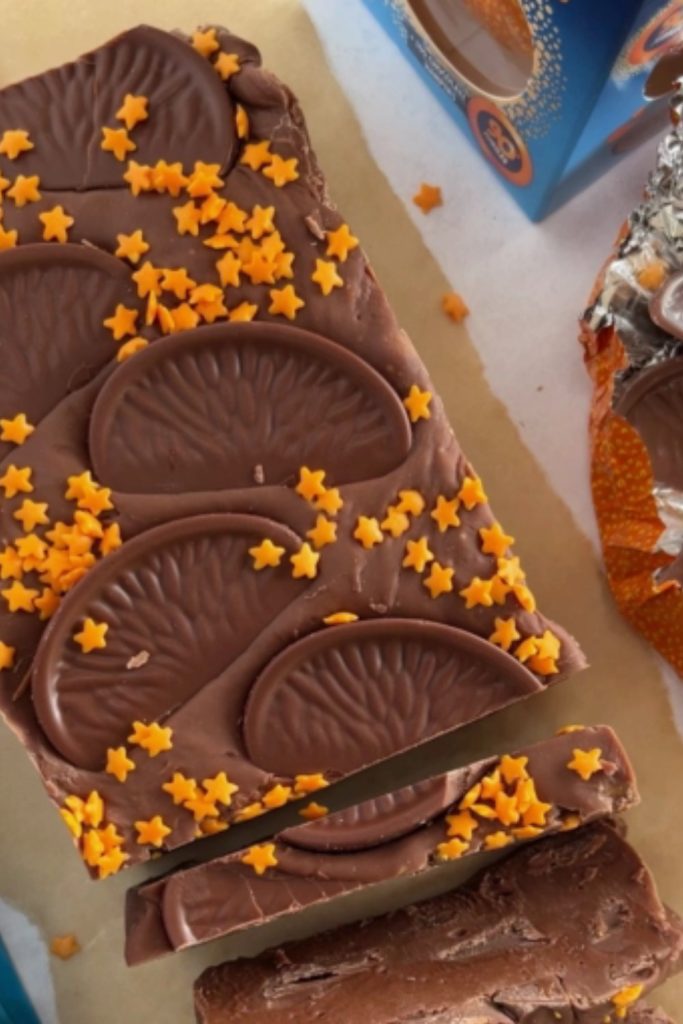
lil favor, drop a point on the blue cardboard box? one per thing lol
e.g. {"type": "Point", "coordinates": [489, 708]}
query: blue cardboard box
{"type": "Point", "coordinates": [552, 97]}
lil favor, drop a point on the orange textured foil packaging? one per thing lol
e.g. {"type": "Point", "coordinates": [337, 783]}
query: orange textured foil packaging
{"type": "Point", "coordinates": [628, 344]}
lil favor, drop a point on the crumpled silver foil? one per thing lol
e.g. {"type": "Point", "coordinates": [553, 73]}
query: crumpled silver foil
{"type": "Point", "coordinates": [654, 231]}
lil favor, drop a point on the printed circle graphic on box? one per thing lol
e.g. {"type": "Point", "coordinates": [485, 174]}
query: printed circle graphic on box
{"type": "Point", "coordinates": [499, 141]}
{"type": "Point", "coordinates": [658, 36]}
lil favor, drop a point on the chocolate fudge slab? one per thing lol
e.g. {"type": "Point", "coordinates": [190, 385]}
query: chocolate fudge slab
{"type": "Point", "coordinates": [382, 843]}
{"type": "Point", "coordinates": [226, 475]}
{"type": "Point", "coordinates": [568, 929]}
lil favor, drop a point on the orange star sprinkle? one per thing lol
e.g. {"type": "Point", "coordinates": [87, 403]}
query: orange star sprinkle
{"type": "Point", "coordinates": [16, 430]}
{"type": "Point", "coordinates": [440, 580]}
{"type": "Point", "coordinates": [92, 635]}
{"type": "Point", "coordinates": [566, 729]}
{"type": "Point", "coordinates": [93, 809]}
{"type": "Point", "coordinates": [548, 645]}
{"type": "Point", "coordinates": [310, 485]}
{"type": "Point", "coordinates": [260, 858]}
{"type": "Point", "coordinates": [259, 270]}
{"type": "Point", "coordinates": [203, 180]}
{"type": "Point", "coordinates": [180, 788]}
{"type": "Point", "coordinates": [243, 313]}
{"type": "Point", "coordinates": [340, 618]}
{"type": "Point", "coordinates": [31, 514]}
{"type": "Point", "coordinates": [148, 280]}
{"type": "Point", "coordinates": [452, 849]}
{"type": "Point", "coordinates": [455, 307]}
{"type": "Point", "coordinates": [368, 532]}
{"type": "Point", "coordinates": [219, 789]}
{"type": "Point", "coordinates": [396, 523]}
{"type": "Point", "coordinates": [227, 65]}
{"type": "Point", "coordinates": [281, 171]}
{"type": "Point", "coordinates": [417, 403]}
{"type": "Point", "coordinates": [326, 277]}
{"type": "Point", "coordinates": [72, 822]}
{"type": "Point", "coordinates": [314, 811]}
{"type": "Point", "coordinates": [111, 862]}
{"type": "Point", "coordinates": [497, 840]}
{"type": "Point", "coordinates": [133, 110]}
{"type": "Point", "coordinates": [330, 501]}
{"type": "Point", "coordinates": [118, 763]}
{"type": "Point", "coordinates": [254, 810]}
{"type": "Point", "coordinates": [241, 122]}
{"type": "Point", "coordinates": [625, 997]}
{"type": "Point", "coordinates": [309, 783]}
{"type": "Point", "coordinates": [285, 302]}
{"type": "Point", "coordinates": [277, 797]}
{"type": "Point", "coordinates": [15, 142]}
{"type": "Point", "coordinates": [505, 633]}
{"type": "Point", "coordinates": [445, 514]}
{"type": "Point", "coordinates": [16, 481]}
{"type": "Point", "coordinates": [536, 813]}
{"type": "Point", "coordinates": [188, 218]}
{"type": "Point", "coordinates": [7, 655]}
{"type": "Point", "coordinates": [10, 564]}
{"type": "Point", "coordinates": [305, 563]}
{"type": "Point", "coordinates": [494, 540]}
{"type": "Point", "coordinates": [228, 267]}
{"type": "Point", "coordinates": [47, 604]}
{"type": "Point", "coordinates": [153, 738]}
{"type": "Point", "coordinates": [477, 593]}
{"type": "Point", "coordinates": [117, 142]}
{"type": "Point", "coordinates": [491, 785]}
{"type": "Point", "coordinates": [506, 809]}
{"type": "Point", "coordinates": [525, 597]}
{"type": "Point", "coordinates": [428, 197]}
{"type": "Point", "coordinates": [266, 555]}
{"type": "Point", "coordinates": [212, 207]}
{"type": "Point", "coordinates": [256, 155]}
{"type": "Point", "coordinates": [417, 555]}
{"type": "Point", "coordinates": [152, 832]}
{"type": "Point", "coordinates": [130, 347]}
{"type": "Point", "coordinates": [261, 221]}
{"type": "Point", "coordinates": [138, 177]}
{"type": "Point", "coordinates": [211, 827]}
{"type": "Point", "coordinates": [97, 501]}
{"type": "Point", "coordinates": [64, 946]}
{"type": "Point", "coordinates": [411, 502]}
{"type": "Point", "coordinates": [56, 224]}
{"type": "Point", "coordinates": [513, 768]}
{"type": "Point", "coordinates": [111, 539]}
{"type": "Point", "coordinates": [341, 242]}
{"type": "Point", "coordinates": [131, 247]}
{"type": "Point", "coordinates": [122, 322]}
{"type": "Point", "coordinates": [472, 492]}
{"type": "Point", "coordinates": [8, 239]}
{"type": "Point", "coordinates": [178, 282]}
{"type": "Point", "coordinates": [462, 825]}
{"type": "Point", "coordinates": [205, 42]}
{"type": "Point", "coordinates": [168, 178]}
{"type": "Point", "coordinates": [25, 190]}
{"type": "Point", "coordinates": [586, 763]}
{"type": "Point", "coordinates": [324, 532]}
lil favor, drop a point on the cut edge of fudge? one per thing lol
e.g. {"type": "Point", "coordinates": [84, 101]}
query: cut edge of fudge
{"type": "Point", "coordinates": [418, 838]}
{"type": "Point", "coordinates": [570, 929]}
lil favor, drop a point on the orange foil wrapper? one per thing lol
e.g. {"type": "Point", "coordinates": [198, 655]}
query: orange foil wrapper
{"type": "Point", "coordinates": [632, 334]}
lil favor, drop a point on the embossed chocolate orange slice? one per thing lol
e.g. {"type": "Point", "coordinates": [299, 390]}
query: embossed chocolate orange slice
{"type": "Point", "coordinates": [190, 115]}
{"type": "Point", "coordinates": [181, 602]}
{"type": "Point", "coordinates": [53, 300]}
{"type": "Point", "coordinates": [653, 404]}
{"type": "Point", "coordinates": [214, 403]}
{"type": "Point", "coordinates": [341, 699]}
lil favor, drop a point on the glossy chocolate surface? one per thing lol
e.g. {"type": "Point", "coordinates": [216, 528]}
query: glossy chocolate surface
{"type": "Point", "coordinates": [201, 437]}
{"type": "Point", "coordinates": [553, 933]}
{"type": "Point", "coordinates": [397, 836]}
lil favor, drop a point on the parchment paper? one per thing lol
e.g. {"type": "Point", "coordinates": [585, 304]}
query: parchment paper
{"type": "Point", "coordinates": [40, 873]}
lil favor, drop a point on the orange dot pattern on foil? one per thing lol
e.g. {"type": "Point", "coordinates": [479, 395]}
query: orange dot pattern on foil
{"type": "Point", "coordinates": [622, 484]}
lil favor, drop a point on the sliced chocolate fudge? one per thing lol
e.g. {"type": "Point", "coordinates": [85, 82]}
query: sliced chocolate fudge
{"type": "Point", "coordinates": [242, 552]}
{"type": "Point", "coordinates": [555, 785]}
{"type": "Point", "coordinates": [569, 929]}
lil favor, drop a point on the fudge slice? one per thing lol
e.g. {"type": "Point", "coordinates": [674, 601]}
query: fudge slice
{"type": "Point", "coordinates": [229, 489]}
{"type": "Point", "coordinates": [558, 784]}
{"type": "Point", "coordinates": [568, 929]}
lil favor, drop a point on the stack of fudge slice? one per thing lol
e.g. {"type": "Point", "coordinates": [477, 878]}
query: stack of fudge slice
{"type": "Point", "coordinates": [243, 556]}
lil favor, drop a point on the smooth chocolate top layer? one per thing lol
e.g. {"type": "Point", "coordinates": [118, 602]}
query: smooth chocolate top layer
{"type": "Point", "coordinates": [556, 932]}
{"type": "Point", "coordinates": [202, 437]}
{"type": "Point", "coordinates": [397, 836]}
